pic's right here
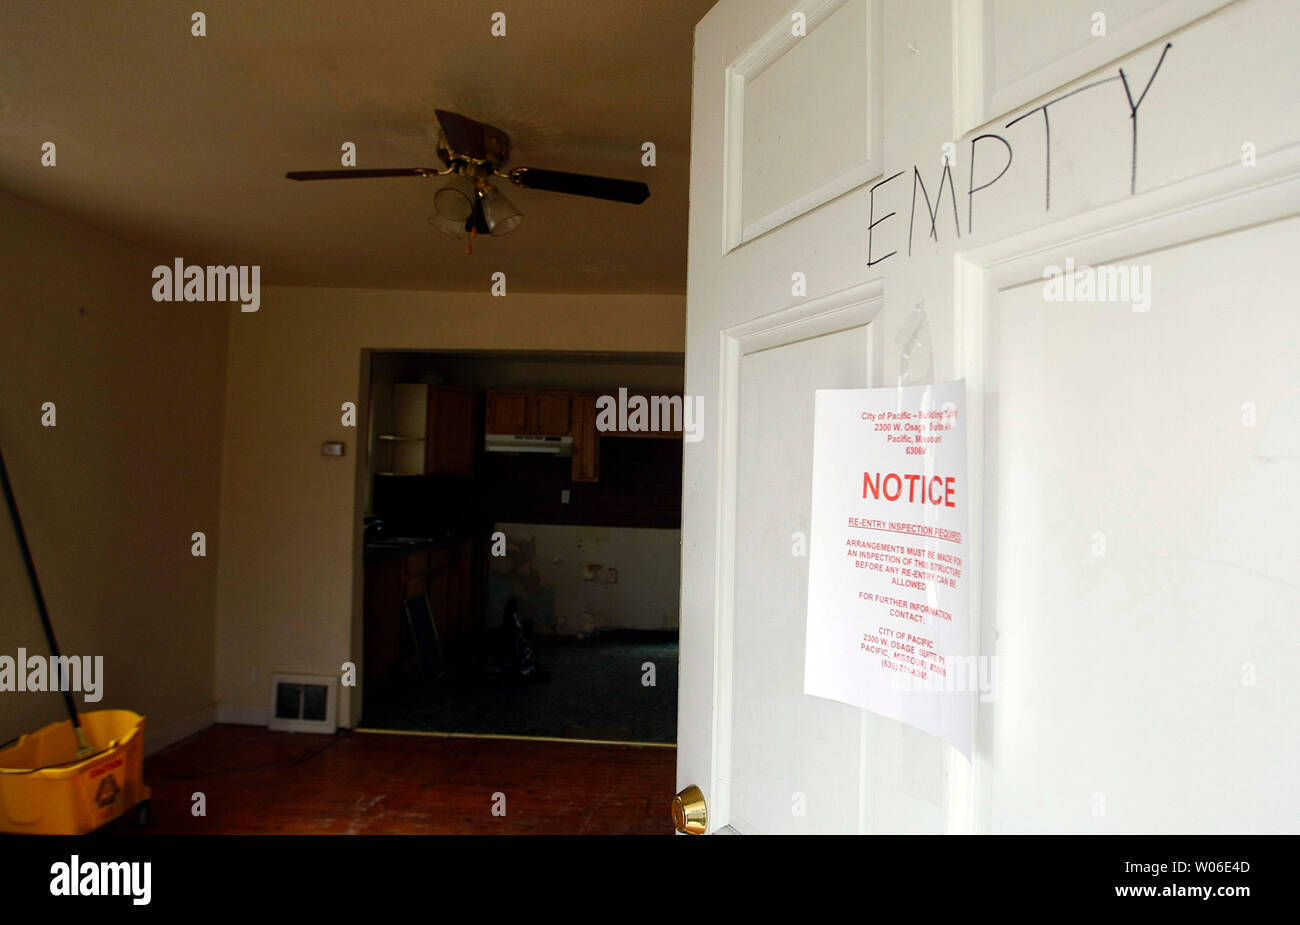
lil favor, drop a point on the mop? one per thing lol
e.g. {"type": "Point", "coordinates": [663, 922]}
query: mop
{"type": "Point", "coordinates": [84, 748]}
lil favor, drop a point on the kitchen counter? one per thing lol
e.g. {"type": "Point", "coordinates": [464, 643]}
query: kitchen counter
{"type": "Point", "coordinates": [379, 549]}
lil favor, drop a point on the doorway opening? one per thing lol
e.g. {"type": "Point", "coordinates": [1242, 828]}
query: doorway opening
{"type": "Point", "coordinates": [520, 545]}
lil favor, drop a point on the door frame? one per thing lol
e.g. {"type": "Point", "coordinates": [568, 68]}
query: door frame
{"type": "Point", "coordinates": [351, 699]}
{"type": "Point", "coordinates": [1211, 204]}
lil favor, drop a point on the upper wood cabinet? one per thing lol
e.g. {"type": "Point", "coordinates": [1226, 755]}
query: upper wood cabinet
{"type": "Point", "coordinates": [506, 412]}
{"type": "Point", "coordinates": [572, 414]}
{"type": "Point", "coordinates": [551, 413]}
{"type": "Point", "coordinates": [425, 430]}
{"type": "Point", "coordinates": [519, 412]}
{"type": "Point", "coordinates": [450, 441]}
{"type": "Point", "coordinates": [586, 441]}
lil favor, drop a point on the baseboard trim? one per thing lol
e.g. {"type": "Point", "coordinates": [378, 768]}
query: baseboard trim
{"type": "Point", "coordinates": [242, 715]}
{"type": "Point", "coordinates": [156, 739]}
{"type": "Point", "coordinates": [513, 738]}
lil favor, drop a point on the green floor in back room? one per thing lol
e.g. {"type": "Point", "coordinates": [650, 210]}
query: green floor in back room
{"type": "Point", "coordinates": [595, 690]}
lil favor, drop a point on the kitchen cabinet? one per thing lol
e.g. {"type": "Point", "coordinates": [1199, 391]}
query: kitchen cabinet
{"type": "Point", "coordinates": [442, 571]}
{"type": "Point", "coordinates": [585, 465]}
{"type": "Point", "coordinates": [450, 436]}
{"type": "Point", "coordinates": [384, 594]}
{"type": "Point", "coordinates": [460, 589]}
{"type": "Point", "coordinates": [506, 412]}
{"type": "Point", "coordinates": [541, 413]}
{"type": "Point", "coordinates": [426, 430]}
{"type": "Point", "coordinates": [552, 413]}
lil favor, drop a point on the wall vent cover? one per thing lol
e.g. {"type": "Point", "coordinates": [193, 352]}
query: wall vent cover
{"type": "Point", "coordinates": [303, 703]}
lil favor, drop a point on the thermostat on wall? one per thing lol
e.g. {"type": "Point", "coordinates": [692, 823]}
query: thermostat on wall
{"type": "Point", "coordinates": [332, 448]}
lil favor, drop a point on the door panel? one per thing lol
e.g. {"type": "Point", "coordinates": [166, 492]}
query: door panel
{"type": "Point", "coordinates": [797, 760]}
{"type": "Point", "coordinates": [1022, 51]}
{"type": "Point", "coordinates": [742, 586]}
{"type": "Point", "coordinates": [1147, 585]}
{"type": "Point", "coordinates": [825, 71]}
{"type": "Point", "coordinates": [825, 80]}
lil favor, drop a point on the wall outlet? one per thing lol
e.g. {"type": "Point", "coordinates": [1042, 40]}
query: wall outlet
{"type": "Point", "coordinates": [564, 496]}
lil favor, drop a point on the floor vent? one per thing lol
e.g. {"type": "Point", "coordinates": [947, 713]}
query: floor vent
{"type": "Point", "coordinates": [303, 703]}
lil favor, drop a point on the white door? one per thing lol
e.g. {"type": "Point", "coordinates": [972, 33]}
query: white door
{"type": "Point", "coordinates": [1136, 580]}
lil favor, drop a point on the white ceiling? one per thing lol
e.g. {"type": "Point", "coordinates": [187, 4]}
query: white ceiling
{"type": "Point", "coordinates": [180, 143]}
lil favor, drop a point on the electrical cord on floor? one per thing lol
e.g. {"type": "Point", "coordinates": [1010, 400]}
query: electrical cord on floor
{"type": "Point", "coordinates": [265, 766]}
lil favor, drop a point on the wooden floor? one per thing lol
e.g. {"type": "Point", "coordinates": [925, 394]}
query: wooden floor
{"type": "Point", "coordinates": [256, 781]}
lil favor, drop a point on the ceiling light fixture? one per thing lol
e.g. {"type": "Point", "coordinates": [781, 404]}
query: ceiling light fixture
{"type": "Point", "coordinates": [501, 214]}
{"type": "Point", "coordinates": [469, 206]}
{"type": "Point", "coordinates": [453, 205]}
{"type": "Point", "coordinates": [476, 153]}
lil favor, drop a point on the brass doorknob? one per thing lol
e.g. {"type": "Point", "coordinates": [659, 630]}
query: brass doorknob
{"type": "Point", "coordinates": [689, 812]}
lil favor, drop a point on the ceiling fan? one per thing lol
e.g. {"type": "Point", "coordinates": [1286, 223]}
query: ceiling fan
{"type": "Point", "coordinates": [474, 154]}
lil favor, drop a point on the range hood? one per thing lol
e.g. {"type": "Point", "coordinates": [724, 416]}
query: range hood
{"type": "Point", "coordinates": [526, 443]}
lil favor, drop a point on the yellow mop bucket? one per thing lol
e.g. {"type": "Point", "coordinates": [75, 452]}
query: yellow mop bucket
{"type": "Point", "coordinates": [45, 789]}
{"type": "Point", "coordinates": [74, 776]}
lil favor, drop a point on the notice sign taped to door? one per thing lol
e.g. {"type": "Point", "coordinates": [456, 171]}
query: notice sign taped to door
{"type": "Point", "coordinates": [888, 599]}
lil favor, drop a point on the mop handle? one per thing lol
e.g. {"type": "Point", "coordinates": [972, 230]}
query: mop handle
{"type": "Point", "coordinates": [36, 591]}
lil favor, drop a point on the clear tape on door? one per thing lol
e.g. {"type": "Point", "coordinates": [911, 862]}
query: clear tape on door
{"type": "Point", "coordinates": [915, 349]}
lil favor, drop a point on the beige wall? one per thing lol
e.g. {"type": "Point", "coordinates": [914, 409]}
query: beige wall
{"type": "Point", "coordinates": [111, 494]}
{"type": "Point", "coordinates": [163, 431]}
{"type": "Point", "coordinates": [290, 523]}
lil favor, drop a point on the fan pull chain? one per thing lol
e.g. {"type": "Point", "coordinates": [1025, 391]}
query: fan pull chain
{"type": "Point", "coordinates": [469, 245]}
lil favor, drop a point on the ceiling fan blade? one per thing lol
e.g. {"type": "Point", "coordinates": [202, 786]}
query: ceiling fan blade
{"type": "Point", "coordinates": [580, 184]}
{"type": "Point", "coordinates": [361, 174]}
